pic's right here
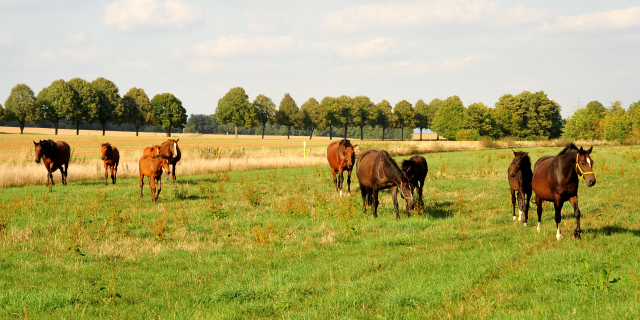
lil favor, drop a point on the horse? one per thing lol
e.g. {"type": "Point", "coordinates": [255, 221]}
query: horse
{"type": "Point", "coordinates": [376, 170]}
{"type": "Point", "coordinates": [170, 149]}
{"type": "Point", "coordinates": [416, 169]}
{"type": "Point", "coordinates": [152, 151]}
{"type": "Point", "coordinates": [341, 156]}
{"type": "Point", "coordinates": [519, 176]}
{"type": "Point", "coordinates": [55, 155]}
{"type": "Point", "coordinates": [556, 179]}
{"type": "Point", "coordinates": [111, 158]}
{"type": "Point", "coordinates": [152, 168]}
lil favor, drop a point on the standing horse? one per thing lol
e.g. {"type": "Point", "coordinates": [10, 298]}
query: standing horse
{"type": "Point", "coordinates": [556, 179]}
{"type": "Point", "coordinates": [520, 175]}
{"type": "Point", "coordinates": [111, 158]}
{"type": "Point", "coordinates": [170, 149]}
{"type": "Point", "coordinates": [416, 169]}
{"type": "Point", "coordinates": [376, 170]}
{"type": "Point", "coordinates": [153, 151]}
{"type": "Point", "coordinates": [341, 156]}
{"type": "Point", "coordinates": [54, 155]}
{"type": "Point", "coordinates": [152, 168]}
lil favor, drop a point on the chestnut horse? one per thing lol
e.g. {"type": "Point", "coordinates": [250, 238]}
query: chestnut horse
{"type": "Point", "coordinates": [556, 179]}
{"type": "Point", "coordinates": [520, 175]}
{"type": "Point", "coordinates": [170, 149]}
{"type": "Point", "coordinates": [376, 170]}
{"type": "Point", "coordinates": [341, 156]}
{"type": "Point", "coordinates": [111, 158]}
{"type": "Point", "coordinates": [416, 169]}
{"type": "Point", "coordinates": [153, 151]}
{"type": "Point", "coordinates": [152, 168]}
{"type": "Point", "coordinates": [54, 155]}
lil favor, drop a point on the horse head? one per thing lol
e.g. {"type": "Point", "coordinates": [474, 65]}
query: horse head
{"type": "Point", "coordinates": [166, 161]}
{"type": "Point", "coordinates": [514, 167]}
{"type": "Point", "coordinates": [407, 168]}
{"type": "Point", "coordinates": [39, 147]}
{"type": "Point", "coordinates": [106, 150]}
{"type": "Point", "coordinates": [584, 166]}
{"type": "Point", "coordinates": [350, 155]}
{"type": "Point", "coordinates": [406, 191]}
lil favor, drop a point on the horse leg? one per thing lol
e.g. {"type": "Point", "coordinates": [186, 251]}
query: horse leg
{"type": "Point", "coordinates": [420, 186]}
{"type": "Point", "coordinates": [394, 196]}
{"type": "Point", "coordinates": [114, 173]}
{"type": "Point", "coordinates": [363, 192]}
{"type": "Point", "coordinates": [539, 208]}
{"type": "Point", "coordinates": [340, 181]}
{"type": "Point", "coordinates": [141, 184]}
{"type": "Point", "coordinates": [66, 168]}
{"type": "Point", "coordinates": [335, 181]}
{"type": "Point", "coordinates": [106, 173]}
{"type": "Point", "coordinates": [173, 172]}
{"type": "Point", "coordinates": [558, 206]}
{"type": "Point", "coordinates": [374, 202]}
{"type": "Point", "coordinates": [349, 182]}
{"type": "Point", "coordinates": [513, 203]}
{"type": "Point", "coordinates": [526, 208]}
{"type": "Point", "coordinates": [520, 204]}
{"type": "Point", "coordinates": [159, 187]}
{"type": "Point", "coordinates": [576, 212]}
{"type": "Point", "coordinates": [152, 186]}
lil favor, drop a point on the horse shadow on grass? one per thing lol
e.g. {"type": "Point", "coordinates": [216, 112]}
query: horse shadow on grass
{"type": "Point", "coordinates": [442, 211]}
{"type": "Point", "coordinates": [610, 230]}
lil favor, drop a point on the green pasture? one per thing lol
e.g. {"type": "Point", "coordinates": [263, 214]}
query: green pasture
{"type": "Point", "coordinates": [282, 244]}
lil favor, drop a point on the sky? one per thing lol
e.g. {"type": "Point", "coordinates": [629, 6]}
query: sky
{"type": "Point", "coordinates": [575, 51]}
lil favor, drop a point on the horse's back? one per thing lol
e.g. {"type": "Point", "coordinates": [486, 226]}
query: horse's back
{"type": "Point", "coordinates": [540, 181]}
{"type": "Point", "coordinates": [63, 152]}
{"type": "Point", "coordinates": [116, 154]}
{"type": "Point", "coordinates": [365, 168]}
{"type": "Point", "coordinates": [332, 154]}
{"type": "Point", "coordinates": [420, 164]}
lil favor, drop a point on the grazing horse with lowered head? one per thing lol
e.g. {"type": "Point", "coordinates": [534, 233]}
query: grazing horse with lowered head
{"type": "Point", "coordinates": [152, 168]}
{"type": "Point", "coordinates": [170, 149]}
{"type": "Point", "coordinates": [416, 169]}
{"type": "Point", "coordinates": [341, 156]}
{"type": "Point", "coordinates": [111, 158]}
{"type": "Point", "coordinates": [556, 179]}
{"type": "Point", "coordinates": [153, 151]}
{"type": "Point", "coordinates": [376, 170]}
{"type": "Point", "coordinates": [54, 156]}
{"type": "Point", "coordinates": [520, 175]}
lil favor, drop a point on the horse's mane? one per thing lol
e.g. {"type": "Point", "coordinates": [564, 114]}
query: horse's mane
{"type": "Point", "coordinates": [389, 162]}
{"type": "Point", "coordinates": [569, 147]}
{"type": "Point", "coordinates": [345, 143]}
{"type": "Point", "coordinates": [525, 161]}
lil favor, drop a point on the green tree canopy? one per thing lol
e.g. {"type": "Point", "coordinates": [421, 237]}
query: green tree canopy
{"type": "Point", "coordinates": [596, 107]}
{"type": "Point", "coordinates": [481, 119]}
{"type": "Point", "coordinates": [136, 109]}
{"type": "Point", "coordinates": [87, 107]}
{"type": "Point", "coordinates": [343, 107]}
{"type": "Point", "coordinates": [362, 111]}
{"type": "Point", "coordinates": [584, 124]}
{"type": "Point", "coordinates": [421, 116]}
{"type": "Point", "coordinates": [310, 116]}
{"type": "Point", "coordinates": [201, 123]}
{"type": "Point", "coordinates": [265, 111]}
{"type": "Point", "coordinates": [529, 116]}
{"type": "Point", "coordinates": [235, 108]}
{"type": "Point", "coordinates": [330, 111]}
{"type": "Point", "coordinates": [634, 115]}
{"type": "Point", "coordinates": [56, 101]}
{"type": "Point", "coordinates": [1, 111]}
{"type": "Point", "coordinates": [451, 117]}
{"type": "Point", "coordinates": [405, 116]}
{"type": "Point", "coordinates": [21, 106]}
{"type": "Point", "coordinates": [383, 116]}
{"type": "Point", "coordinates": [108, 98]}
{"type": "Point", "coordinates": [170, 112]}
{"type": "Point", "coordinates": [287, 112]}
{"type": "Point", "coordinates": [616, 124]}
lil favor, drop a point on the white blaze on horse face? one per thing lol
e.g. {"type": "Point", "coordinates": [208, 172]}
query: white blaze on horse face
{"type": "Point", "coordinates": [589, 161]}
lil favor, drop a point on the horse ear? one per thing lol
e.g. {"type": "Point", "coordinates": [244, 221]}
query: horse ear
{"type": "Point", "coordinates": [514, 153]}
{"type": "Point", "coordinates": [35, 143]}
{"type": "Point", "coordinates": [526, 153]}
{"type": "Point", "coordinates": [177, 139]}
{"type": "Point", "coordinates": [354, 146]}
{"type": "Point", "coordinates": [590, 149]}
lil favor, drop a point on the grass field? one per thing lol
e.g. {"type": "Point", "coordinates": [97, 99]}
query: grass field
{"type": "Point", "coordinates": [279, 243]}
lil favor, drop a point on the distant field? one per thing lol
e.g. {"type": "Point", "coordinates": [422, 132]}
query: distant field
{"type": "Point", "coordinates": [279, 243]}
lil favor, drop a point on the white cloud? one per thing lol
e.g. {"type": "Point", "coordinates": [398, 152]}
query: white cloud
{"type": "Point", "coordinates": [455, 64]}
{"type": "Point", "coordinates": [392, 15]}
{"type": "Point", "coordinates": [226, 46]}
{"type": "Point", "coordinates": [368, 49]}
{"type": "Point", "coordinates": [83, 54]}
{"type": "Point", "coordinates": [614, 19]}
{"type": "Point", "coordinates": [145, 15]}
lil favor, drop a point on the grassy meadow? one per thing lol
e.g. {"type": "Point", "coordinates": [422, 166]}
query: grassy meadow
{"type": "Point", "coordinates": [279, 243]}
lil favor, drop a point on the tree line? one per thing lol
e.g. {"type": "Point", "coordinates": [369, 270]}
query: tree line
{"type": "Point", "coordinates": [79, 101]}
{"type": "Point", "coordinates": [596, 122]}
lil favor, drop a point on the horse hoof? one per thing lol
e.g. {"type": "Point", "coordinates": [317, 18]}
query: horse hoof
{"type": "Point", "coordinates": [514, 218]}
{"type": "Point", "coordinates": [576, 235]}
{"type": "Point", "coordinates": [558, 236]}
{"type": "Point", "coordinates": [525, 224]}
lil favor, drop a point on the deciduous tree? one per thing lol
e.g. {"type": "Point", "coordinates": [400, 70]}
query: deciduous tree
{"type": "Point", "coordinates": [136, 109]}
{"type": "Point", "coordinates": [109, 98]}
{"type": "Point", "coordinates": [362, 110]}
{"type": "Point", "coordinates": [235, 108]}
{"type": "Point", "coordinates": [265, 111]}
{"type": "Point", "coordinates": [331, 118]}
{"type": "Point", "coordinates": [344, 112]}
{"type": "Point", "coordinates": [481, 118]}
{"type": "Point", "coordinates": [451, 117]}
{"type": "Point", "coordinates": [87, 107]}
{"type": "Point", "coordinates": [421, 116]}
{"type": "Point", "coordinates": [405, 116]}
{"type": "Point", "coordinates": [310, 116]}
{"type": "Point", "coordinates": [56, 100]}
{"type": "Point", "coordinates": [287, 111]}
{"type": "Point", "coordinates": [383, 116]}
{"type": "Point", "coordinates": [21, 106]}
{"type": "Point", "coordinates": [170, 112]}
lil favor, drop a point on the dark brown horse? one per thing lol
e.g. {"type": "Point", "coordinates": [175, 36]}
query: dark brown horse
{"type": "Point", "coordinates": [416, 169]}
{"type": "Point", "coordinates": [54, 155]}
{"type": "Point", "coordinates": [520, 175]}
{"type": "Point", "coordinates": [152, 168]}
{"type": "Point", "coordinates": [556, 179]}
{"type": "Point", "coordinates": [170, 149]}
{"type": "Point", "coordinates": [153, 151]}
{"type": "Point", "coordinates": [376, 170]}
{"type": "Point", "coordinates": [341, 156]}
{"type": "Point", "coordinates": [111, 158]}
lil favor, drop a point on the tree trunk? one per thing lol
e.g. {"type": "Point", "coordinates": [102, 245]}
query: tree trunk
{"type": "Point", "coordinates": [264, 126]}
{"type": "Point", "coordinates": [288, 131]}
{"type": "Point", "coordinates": [78, 129]}
{"type": "Point", "coordinates": [382, 133]}
{"type": "Point", "coordinates": [137, 129]}
{"type": "Point", "coordinates": [169, 131]}
{"type": "Point", "coordinates": [361, 134]}
{"type": "Point", "coordinates": [56, 125]}
{"type": "Point", "coordinates": [402, 133]}
{"type": "Point", "coordinates": [420, 134]}
{"type": "Point", "coordinates": [330, 132]}
{"type": "Point", "coordinates": [104, 127]}
{"type": "Point", "coordinates": [236, 127]}
{"type": "Point", "coordinates": [345, 131]}
{"type": "Point", "coordinates": [311, 135]}
{"type": "Point", "coordinates": [21, 127]}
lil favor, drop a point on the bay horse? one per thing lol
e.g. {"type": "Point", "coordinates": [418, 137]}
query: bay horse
{"type": "Point", "coordinates": [170, 149]}
{"type": "Point", "coordinates": [152, 151]}
{"type": "Point", "coordinates": [152, 168]}
{"type": "Point", "coordinates": [556, 179]}
{"type": "Point", "coordinates": [54, 155]}
{"type": "Point", "coordinates": [111, 158]}
{"type": "Point", "coordinates": [519, 176]}
{"type": "Point", "coordinates": [341, 156]}
{"type": "Point", "coordinates": [376, 170]}
{"type": "Point", "coordinates": [416, 169]}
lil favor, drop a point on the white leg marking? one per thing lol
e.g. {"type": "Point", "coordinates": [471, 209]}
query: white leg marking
{"type": "Point", "coordinates": [558, 235]}
{"type": "Point", "coordinates": [538, 226]}
{"type": "Point", "coordinates": [341, 193]}
{"type": "Point", "coordinates": [525, 224]}
{"type": "Point", "coordinates": [514, 218]}
{"type": "Point", "coordinates": [519, 215]}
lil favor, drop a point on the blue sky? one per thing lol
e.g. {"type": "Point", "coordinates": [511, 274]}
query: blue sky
{"type": "Point", "coordinates": [394, 50]}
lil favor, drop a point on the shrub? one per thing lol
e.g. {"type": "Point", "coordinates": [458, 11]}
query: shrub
{"type": "Point", "coordinates": [467, 135]}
